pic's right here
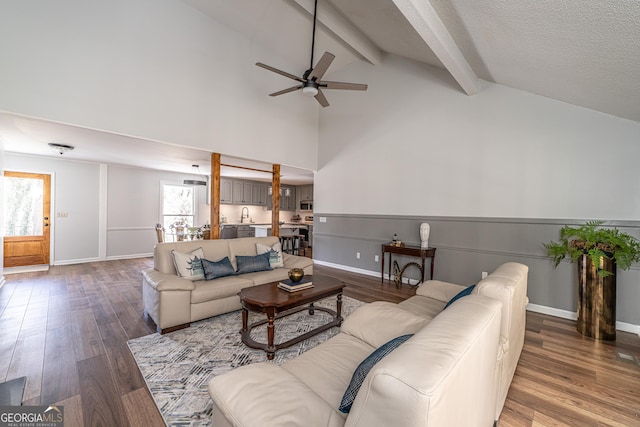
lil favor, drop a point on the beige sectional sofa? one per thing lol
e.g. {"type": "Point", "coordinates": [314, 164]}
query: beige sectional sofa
{"type": "Point", "coordinates": [174, 302]}
{"type": "Point", "coordinates": [454, 371]}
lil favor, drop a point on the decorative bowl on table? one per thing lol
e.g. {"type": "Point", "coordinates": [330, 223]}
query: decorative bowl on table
{"type": "Point", "coordinates": [296, 274]}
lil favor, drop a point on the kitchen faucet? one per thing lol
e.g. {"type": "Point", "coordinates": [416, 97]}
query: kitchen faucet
{"type": "Point", "coordinates": [242, 217]}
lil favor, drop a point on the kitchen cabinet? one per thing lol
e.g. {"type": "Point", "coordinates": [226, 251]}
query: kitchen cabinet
{"type": "Point", "coordinates": [246, 231]}
{"type": "Point", "coordinates": [287, 203]}
{"type": "Point", "coordinates": [226, 191]}
{"type": "Point", "coordinates": [304, 193]}
{"type": "Point", "coordinates": [242, 192]}
{"type": "Point", "coordinates": [259, 194]}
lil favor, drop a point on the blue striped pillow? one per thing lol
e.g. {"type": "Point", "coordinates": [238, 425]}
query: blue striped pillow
{"type": "Point", "coordinates": [463, 293]}
{"type": "Point", "coordinates": [363, 369]}
{"type": "Point", "coordinates": [250, 264]}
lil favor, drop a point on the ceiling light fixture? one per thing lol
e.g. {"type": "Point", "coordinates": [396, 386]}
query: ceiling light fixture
{"type": "Point", "coordinates": [195, 181]}
{"type": "Point", "coordinates": [287, 191]}
{"type": "Point", "coordinates": [60, 148]}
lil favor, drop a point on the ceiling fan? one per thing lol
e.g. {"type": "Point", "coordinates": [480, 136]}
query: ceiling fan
{"type": "Point", "coordinates": [310, 82]}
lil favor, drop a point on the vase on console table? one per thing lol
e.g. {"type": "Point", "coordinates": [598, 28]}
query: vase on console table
{"type": "Point", "coordinates": [424, 235]}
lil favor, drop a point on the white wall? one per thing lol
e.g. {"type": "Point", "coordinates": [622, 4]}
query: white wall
{"type": "Point", "coordinates": [129, 202]}
{"type": "Point", "coordinates": [133, 208]}
{"type": "Point", "coordinates": [75, 190]}
{"type": "Point", "coordinates": [415, 144]}
{"type": "Point", "coordinates": [156, 69]}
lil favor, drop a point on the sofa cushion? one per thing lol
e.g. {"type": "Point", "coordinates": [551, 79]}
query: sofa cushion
{"type": "Point", "coordinates": [264, 394]}
{"type": "Point", "coordinates": [250, 264]}
{"type": "Point", "coordinates": [380, 321]}
{"type": "Point", "coordinates": [463, 293]}
{"type": "Point", "coordinates": [293, 261]}
{"type": "Point", "coordinates": [215, 269]}
{"type": "Point", "coordinates": [222, 287]}
{"type": "Point", "coordinates": [327, 368]}
{"type": "Point", "coordinates": [422, 306]}
{"type": "Point", "coordinates": [363, 369]}
{"type": "Point", "coordinates": [275, 254]}
{"type": "Point", "coordinates": [189, 265]}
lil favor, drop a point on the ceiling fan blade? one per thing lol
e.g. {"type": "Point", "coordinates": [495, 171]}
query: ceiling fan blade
{"type": "Point", "coordinates": [282, 92]}
{"type": "Point", "coordinates": [342, 85]}
{"type": "Point", "coordinates": [322, 66]}
{"type": "Point", "coordinates": [321, 99]}
{"type": "Point", "coordinates": [282, 73]}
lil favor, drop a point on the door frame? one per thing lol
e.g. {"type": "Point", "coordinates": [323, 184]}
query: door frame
{"type": "Point", "coordinates": [52, 203]}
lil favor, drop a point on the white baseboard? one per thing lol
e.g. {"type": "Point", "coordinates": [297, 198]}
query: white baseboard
{"type": "Point", "coordinates": [110, 258]}
{"type": "Point", "coordinates": [26, 269]}
{"type": "Point", "coordinates": [564, 314]}
{"type": "Point", "coordinates": [133, 256]}
{"type": "Point", "coordinates": [572, 315]}
{"type": "Point", "coordinates": [362, 271]}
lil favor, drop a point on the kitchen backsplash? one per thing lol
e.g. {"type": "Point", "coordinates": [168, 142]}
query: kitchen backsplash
{"type": "Point", "coordinates": [258, 214]}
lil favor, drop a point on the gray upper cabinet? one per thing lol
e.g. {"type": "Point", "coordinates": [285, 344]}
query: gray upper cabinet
{"type": "Point", "coordinates": [304, 193]}
{"type": "Point", "coordinates": [226, 191]}
{"type": "Point", "coordinates": [288, 203]}
{"type": "Point", "coordinates": [239, 192]}
{"type": "Point", "coordinates": [259, 194]}
{"type": "Point", "coordinates": [242, 192]}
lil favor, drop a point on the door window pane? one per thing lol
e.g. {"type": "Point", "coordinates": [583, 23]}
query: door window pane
{"type": "Point", "coordinates": [23, 201]}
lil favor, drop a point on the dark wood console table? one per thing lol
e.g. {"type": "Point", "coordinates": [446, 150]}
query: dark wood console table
{"type": "Point", "coordinates": [415, 251]}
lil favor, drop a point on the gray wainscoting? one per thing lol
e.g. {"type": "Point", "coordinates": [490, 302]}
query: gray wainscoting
{"type": "Point", "coordinates": [468, 246]}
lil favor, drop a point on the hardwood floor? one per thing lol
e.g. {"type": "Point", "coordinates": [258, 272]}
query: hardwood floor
{"type": "Point", "coordinates": [66, 331]}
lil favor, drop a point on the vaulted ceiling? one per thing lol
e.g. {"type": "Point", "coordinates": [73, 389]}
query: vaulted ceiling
{"type": "Point", "coordinates": [586, 53]}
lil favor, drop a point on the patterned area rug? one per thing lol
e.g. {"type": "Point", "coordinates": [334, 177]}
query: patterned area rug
{"type": "Point", "coordinates": [177, 367]}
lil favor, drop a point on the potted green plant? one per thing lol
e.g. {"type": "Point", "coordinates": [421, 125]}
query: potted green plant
{"type": "Point", "coordinates": [598, 251]}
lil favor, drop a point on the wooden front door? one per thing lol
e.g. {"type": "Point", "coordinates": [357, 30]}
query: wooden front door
{"type": "Point", "coordinates": [27, 201]}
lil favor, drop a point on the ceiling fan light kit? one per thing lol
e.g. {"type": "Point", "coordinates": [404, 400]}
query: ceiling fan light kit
{"type": "Point", "coordinates": [310, 82]}
{"type": "Point", "coordinates": [310, 90]}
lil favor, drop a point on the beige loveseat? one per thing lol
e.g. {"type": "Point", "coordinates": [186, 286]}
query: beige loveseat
{"type": "Point", "coordinates": [174, 302]}
{"type": "Point", "coordinates": [454, 370]}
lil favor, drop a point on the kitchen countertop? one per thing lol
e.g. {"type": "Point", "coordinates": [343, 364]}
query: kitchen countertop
{"type": "Point", "coordinates": [286, 225]}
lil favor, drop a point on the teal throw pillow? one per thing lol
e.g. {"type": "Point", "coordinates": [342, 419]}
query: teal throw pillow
{"type": "Point", "coordinates": [250, 264]}
{"type": "Point", "coordinates": [215, 269]}
{"type": "Point", "coordinates": [363, 369]}
{"type": "Point", "coordinates": [463, 293]}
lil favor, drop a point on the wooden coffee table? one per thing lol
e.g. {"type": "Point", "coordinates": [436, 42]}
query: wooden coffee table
{"type": "Point", "coordinates": [277, 303]}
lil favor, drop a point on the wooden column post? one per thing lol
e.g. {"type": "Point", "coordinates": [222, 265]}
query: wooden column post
{"type": "Point", "coordinates": [215, 196]}
{"type": "Point", "coordinates": [275, 201]}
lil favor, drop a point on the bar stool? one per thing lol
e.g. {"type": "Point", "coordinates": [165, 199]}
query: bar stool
{"type": "Point", "coordinates": [292, 243]}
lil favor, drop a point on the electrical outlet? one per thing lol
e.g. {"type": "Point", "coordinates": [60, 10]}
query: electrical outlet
{"type": "Point", "coordinates": [376, 258]}
{"type": "Point", "coordinates": [358, 255]}
{"type": "Point", "coordinates": [323, 219]}
{"type": "Point", "coordinates": [62, 214]}
{"type": "Point", "coordinates": [484, 274]}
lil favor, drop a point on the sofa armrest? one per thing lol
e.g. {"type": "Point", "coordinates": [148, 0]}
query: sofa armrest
{"type": "Point", "coordinates": [441, 291]}
{"type": "Point", "coordinates": [166, 282]}
{"type": "Point", "coordinates": [264, 394]}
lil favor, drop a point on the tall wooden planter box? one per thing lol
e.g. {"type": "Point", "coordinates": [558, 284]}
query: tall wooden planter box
{"type": "Point", "coordinates": [596, 299]}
